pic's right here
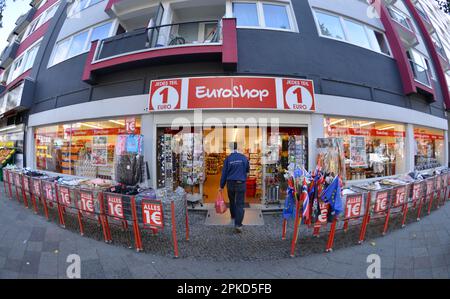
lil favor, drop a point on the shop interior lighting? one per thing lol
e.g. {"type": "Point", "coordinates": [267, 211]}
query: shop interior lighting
{"type": "Point", "coordinates": [337, 121]}
{"type": "Point", "coordinates": [91, 126]}
{"type": "Point", "coordinates": [367, 124]}
{"type": "Point", "coordinates": [387, 128]}
{"type": "Point", "coordinates": [117, 122]}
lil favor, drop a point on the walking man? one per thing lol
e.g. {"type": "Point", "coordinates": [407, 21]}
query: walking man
{"type": "Point", "coordinates": [234, 174]}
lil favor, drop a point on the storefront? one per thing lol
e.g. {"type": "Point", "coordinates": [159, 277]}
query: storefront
{"type": "Point", "coordinates": [429, 151]}
{"type": "Point", "coordinates": [86, 148]}
{"type": "Point", "coordinates": [11, 144]}
{"type": "Point", "coordinates": [188, 123]}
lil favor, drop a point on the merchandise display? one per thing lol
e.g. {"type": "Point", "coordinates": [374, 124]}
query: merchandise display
{"type": "Point", "coordinates": [371, 148]}
{"type": "Point", "coordinates": [85, 149]}
{"type": "Point", "coordinates": [429, 148]}
{"type": "Point", "coordinates": [129, 160]}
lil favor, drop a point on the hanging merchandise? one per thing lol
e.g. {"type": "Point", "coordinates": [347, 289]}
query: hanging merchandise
{"type": "Point", "coordinates": [289, 205]}
{"type": "Point", "coordinates": [130, 166]}
{"type": "Point", "coordinates": [330, 156]}
{"type": "Point", "coordinates": [332, 195]}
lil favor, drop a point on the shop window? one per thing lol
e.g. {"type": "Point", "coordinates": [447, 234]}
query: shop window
{"type": "Point", "coordinates": [86, 149]}
{"type": "Point", "coordinates": [371, 148]}
{"type": "Point", "coordinates": [429, 151]}
{"type": "Point", "coordinates": [263, 15]}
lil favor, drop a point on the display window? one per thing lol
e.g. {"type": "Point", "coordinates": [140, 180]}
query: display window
{"type": "Point", "coordinates": [193, 159]}
{"type": "Point", "coordinates": [371, 148]}
{"type": "Point", "coordinates": [85, 148]}
{"type": "Point", "coordinates": [429, 151]}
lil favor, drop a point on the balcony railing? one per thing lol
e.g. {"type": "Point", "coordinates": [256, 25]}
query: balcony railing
{"type": "Point", "coordinates": [400, 19]}
{"type": "Point", "coordinates": [165, 36]}
{"type": "Point", "coordinates": [420, 74]}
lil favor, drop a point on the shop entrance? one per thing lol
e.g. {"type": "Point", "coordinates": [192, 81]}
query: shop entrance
{"type": "Point", "coordinates": [193, 159]}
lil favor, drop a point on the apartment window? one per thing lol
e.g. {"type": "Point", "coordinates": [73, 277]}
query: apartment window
{"type": "Point", "coordinates": [80, 42]}
{"type": "Point", "coordinates": [330, 25]}
{"type": "Point", "coordinates": [246, 14]}
{"type": "Point", "coordinates": [341, 28]}
{"type": "Point", "coordinates": [23, 63]}
{"type": "Point", "coordinates": [356, 33]}
{"type": "Point", "coordinates": [43, 18]}
{"type": "Point", "coordinates": [400, 18]}
{"type": "Point", "coordinates": [269, 15]}
{"type": "Point", "coordinates": [80, 5]}
{"type": "Point", "coordinates": [420, 67]}
{"type": "Point", "coordinates": [276, 16]}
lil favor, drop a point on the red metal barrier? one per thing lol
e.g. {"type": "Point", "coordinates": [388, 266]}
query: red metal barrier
{"type": "Point", "coordinates": [379, 209]}
{"type": "Point", "coordinates": [8, 181]}
{"type": "Point", "coordinates": [354, 214]}
{"type": "Point", "coordinates": [26, 190]}
{"type": "Point", "coordinates": [431, 189]}
{"type": "Point", "coordinates": [399, 204]}
{"type": "Point", "coordinates": [18, 186]}
{"type": "Point", "coordinates": [50, 199]}
{"type": "Point", "coordinates": [89, 206]}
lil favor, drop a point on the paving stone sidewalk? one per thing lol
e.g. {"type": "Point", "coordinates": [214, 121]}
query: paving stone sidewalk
{"type": "Point", "coordinates": [31, 247]}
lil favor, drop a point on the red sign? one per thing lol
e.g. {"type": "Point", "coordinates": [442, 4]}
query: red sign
{"type": "Point", "coordinates": [381, 202]}
{"type": "Point", "coordinates": [336, 131]}
{"type": "Point", "coordinates": [64, 196]}
{"type": "Point", "coordinates": [353, 206]}
{"type": "Point", "coordinates": [130, 125]}
{"type": "Point", "coordinates": [438, 182]}
{"type": "Point", "coordinates": [17, 180]}
{"type": "Point", "coordinates": [37, 187]}
{"type": "Point", "coordinates": [87, 202]}
{"type": "Point", "coordinates": [48, 191]}
{"type": "Point", "coordinates": [430, 185]}
{"type": "Point", "coordinates": [115, 206]}
{"type": "Point", "coordinates": [152, 215]}
{"type": "Point", "coordinates": [323, 217]}
{"type": "Point", "coordinates": [298, 95]}
{"type": "Point", "coordinates": [227, 92]}
{"type": "Point", "coordinates": [428, 136]}
{"type": "Point", "coordinates": [232, 92]}
{"type": "Point", "coordinates": [26, 183]}
{"type": "Point", "coordinates": [400, 196]}
{"type": "Point", "coordinates": [416, 192]}
{"type": "Point", "coordinates": [165, 95]}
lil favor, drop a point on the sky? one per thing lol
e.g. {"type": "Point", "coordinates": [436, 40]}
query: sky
{"type": "Point", "coordinates": [12, 11]}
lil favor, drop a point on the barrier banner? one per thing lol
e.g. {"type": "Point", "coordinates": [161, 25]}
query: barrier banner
{"type": "Point", "coordinates": [356, 208]}
{"type": "Point", "coordinates": [152, 214]}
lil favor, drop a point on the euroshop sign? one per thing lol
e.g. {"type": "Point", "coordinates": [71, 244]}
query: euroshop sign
{"type": "Point", "coordinates": [228, 92]}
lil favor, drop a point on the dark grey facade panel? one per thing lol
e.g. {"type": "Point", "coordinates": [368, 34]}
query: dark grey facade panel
{"type": "Point", "coordinates": [417, 103]}
{"type": "Point", "coordinates": [77, 97]}
{"type": "Point", "coordinates": [439, 112]}
{"type": "Point", "coordinates": [118, 89]}
{"type": "Point", "coordinates": [343, 89]}
{"type": "Point", "coordinates": [44, 106]}
{"type": "Point", "coordinates": [385, 97]}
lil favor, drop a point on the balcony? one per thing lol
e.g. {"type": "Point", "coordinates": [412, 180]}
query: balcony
{"type": "Point", "coordinates": [443, 59]}
{"type": "Point", "coordinates": [425, 19]}
{"type": "Point", "coordinates": [405, 29]}
{"type": "Point", "coordinates": [211, 40]}
{"type": "Point", "coordinates": [24, 20]}
{"type": "Point", "coordinates": [9, 54]}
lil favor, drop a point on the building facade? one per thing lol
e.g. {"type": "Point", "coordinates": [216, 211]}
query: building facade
{"type": "Point", "coordinates": [190, 75]}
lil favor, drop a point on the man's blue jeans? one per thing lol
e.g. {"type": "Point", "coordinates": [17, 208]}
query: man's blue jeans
{"type": "Point", "coordinates": [236, 195]}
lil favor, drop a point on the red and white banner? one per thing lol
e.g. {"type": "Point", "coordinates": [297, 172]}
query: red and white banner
{"type": "Point", "coordinates": [381, 202]}
{"type": "Point", "coordinates": [64, 197]}
{"type": "Point", "coordinates": [400, 196]}
{"type": "Point", "coordinates": [37, 188]}
{"type": "Point", "coordinates": [152, 215]}
{"type": "Point", "coordinates": [238, 92]}
{"type": "Point", "coordinates": [87, 202]}
{"type": "Point", "coordinates": [130, 125]}
{"type": "Point", "coordinates": [115, 206]}
{"type": "Point", "coordinates": [298, 95]}
{"type": "Point", "coordinates": [353, 206]}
